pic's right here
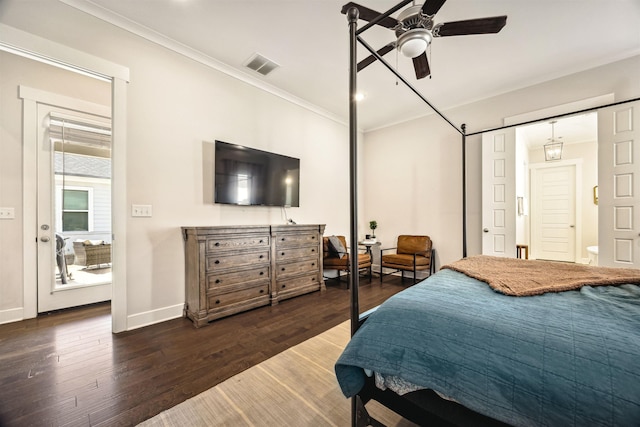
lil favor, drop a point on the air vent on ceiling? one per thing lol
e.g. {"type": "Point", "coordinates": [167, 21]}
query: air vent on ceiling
{"type": "Point", "coordinates": [261, 64]}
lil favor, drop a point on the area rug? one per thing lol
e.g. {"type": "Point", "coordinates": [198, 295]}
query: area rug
{"type": "Point", "coordinates": [297, 387]}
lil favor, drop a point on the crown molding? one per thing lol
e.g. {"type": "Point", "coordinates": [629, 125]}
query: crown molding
{"type": "Point", "coordinates": [97, 11]}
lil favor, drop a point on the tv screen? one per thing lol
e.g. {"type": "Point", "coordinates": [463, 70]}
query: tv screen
{"type": "Point", "coordinates": [246, 176]}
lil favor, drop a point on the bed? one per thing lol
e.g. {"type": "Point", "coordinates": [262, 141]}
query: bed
{"type": "Point", "coordinates": [565, 358]}
{"type": "Point", "coordinates": [450, 392]}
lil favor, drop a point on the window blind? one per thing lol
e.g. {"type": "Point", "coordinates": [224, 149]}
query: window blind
{"type": "Point", "coordinates": [79, 131]}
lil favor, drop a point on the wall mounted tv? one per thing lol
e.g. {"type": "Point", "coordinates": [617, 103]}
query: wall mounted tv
{"type": "Point", "coordinates": [246, 176]}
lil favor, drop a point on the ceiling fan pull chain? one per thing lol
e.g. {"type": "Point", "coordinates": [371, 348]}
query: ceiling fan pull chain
{"type": "Point", "coordinates": [397, 66]}
{"type": "Point", "coordinates": [430, 62]}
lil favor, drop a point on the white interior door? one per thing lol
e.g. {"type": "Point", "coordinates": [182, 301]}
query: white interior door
{"type": "Point", "coordinates": [499, 193]}
{"type": "Point", "coordinates": [61, 281]}
{"type": "Point", "coordinates": [619, 186]}
{"type": "Point", "coordinates": [553, 212]}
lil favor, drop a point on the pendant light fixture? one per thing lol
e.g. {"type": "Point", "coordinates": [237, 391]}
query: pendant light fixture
{"type": "Point", "coordinates": [553, 149]}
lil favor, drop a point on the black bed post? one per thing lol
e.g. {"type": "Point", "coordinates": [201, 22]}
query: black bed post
{"type": "Point", "coordinates": [352, 17]}
{"type": "Point", "coordinates": [464, 189]}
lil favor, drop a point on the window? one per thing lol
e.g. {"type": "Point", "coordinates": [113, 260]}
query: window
{"type": "Point", "coordinates": [76, 212]}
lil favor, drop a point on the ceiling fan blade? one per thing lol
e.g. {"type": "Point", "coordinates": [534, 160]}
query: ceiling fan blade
{"type": "Point", "coordinates": [371, 59]}
{"type": "Point", "coordinates": [370, 14]}
{"type": "Point", "coordinates": [470, 26]}
{"type": "Point", "coordinates": [431, 7]}
{"type": "Point", "coordinates": [421, 65]}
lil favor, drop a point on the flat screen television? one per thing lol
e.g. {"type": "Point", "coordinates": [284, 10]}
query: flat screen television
{"type": "Point", "coordinates": [246, 176]}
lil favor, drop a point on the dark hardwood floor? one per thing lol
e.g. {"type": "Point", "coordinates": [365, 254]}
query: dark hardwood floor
{"type": "Point", "coordinates": [67, 368]}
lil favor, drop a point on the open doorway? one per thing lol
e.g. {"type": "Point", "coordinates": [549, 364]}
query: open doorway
{"type": "Point", "coordinates": [74, 206]}
{"type": "Point", "coordinates": [557, 215]}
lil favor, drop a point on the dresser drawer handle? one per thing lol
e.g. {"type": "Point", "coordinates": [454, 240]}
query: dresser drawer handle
{"type": "Point", "coordinates": [282, 269]}
{"type": "Point", "coordinates": [261, 256]}
{"type": "Point", "coordinates": [262, 273]}
{"type": "Point", "coordinates": [282, 253]}
{"type": "Point", "coordinates": [313, 264]}
{"type": "Point", "coordinates": [217, 280]}
{"type": "Point", "coordinates": [262, 291]}
{"type": "Point", "coordinates": [217, 301]}
{"type": "Point", "coordinates": [282, 239]}
{"type": "Point", "coordinates": [313, 237]}
{"type": "Point", "coordinates": [217, 244]}
{"type": "Point", "coordinates": [261, 241]}
{"type": "Point", "coordinates": [217, 261]}
{"type": "Point", "coordinates": [284, 286]}
{"type": "Point", "coordinates": [313, 250]}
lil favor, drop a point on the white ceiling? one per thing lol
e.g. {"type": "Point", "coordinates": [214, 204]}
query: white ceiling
{"type": "Point", "coordinates": [543, 39]}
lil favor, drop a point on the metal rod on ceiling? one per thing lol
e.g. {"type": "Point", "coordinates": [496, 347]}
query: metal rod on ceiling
{"type": "Point", "coordinates": [557, 116]}
{"type": "Point", "coordinates": [404, 80]}
{"type": "Point", "coordinates": [382, 16]}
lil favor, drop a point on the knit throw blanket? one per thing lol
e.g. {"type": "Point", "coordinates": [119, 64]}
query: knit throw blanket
{"type": "Point", "coordinates": [519, 277]}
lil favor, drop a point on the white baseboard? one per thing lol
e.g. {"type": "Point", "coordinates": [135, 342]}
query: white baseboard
{"type": "Point", "coordinates": [152, 317]}
{"type": "Point", "coordinates": [11, 315]}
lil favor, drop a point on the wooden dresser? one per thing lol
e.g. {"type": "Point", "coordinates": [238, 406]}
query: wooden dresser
{"type": "Point", "coordinates": [229, 269]}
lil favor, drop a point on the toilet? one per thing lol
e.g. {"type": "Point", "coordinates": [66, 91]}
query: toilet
{"type": "Point", "coordinates": [592, 252]}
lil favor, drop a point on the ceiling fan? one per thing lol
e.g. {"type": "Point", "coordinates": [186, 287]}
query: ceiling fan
{"type": "Point", "coordinates": [414, 29]}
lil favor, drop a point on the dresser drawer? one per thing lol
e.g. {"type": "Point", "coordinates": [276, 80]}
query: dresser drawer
{"type": "Point", "coordinates": [237, 294]}
{"type": "Point", "coordinates": [287, 240]}
{"type": "Point", "coordinates": [298, 283]}
{"type": "Point", "coordinates": [223, 261]}
{"type": "Point", "coordinates": [220, 280]}
{"type": "Point", "coordinates": [215, 243]}
{"type": "Point", "coordinates": [285, 254]}
{"type": "Point", "coordinates": [295, 268]}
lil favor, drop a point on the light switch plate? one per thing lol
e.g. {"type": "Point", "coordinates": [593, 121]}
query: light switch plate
{"type": "Point", "coordinates": [7, 213]}
{"type": "Point", "coordinates": [141, 210]}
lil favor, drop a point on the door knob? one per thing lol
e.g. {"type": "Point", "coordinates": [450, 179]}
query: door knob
{"type": "Point", "coordinates": [486, 230]}
{"type": "Point", "coordinates": [44, 239]}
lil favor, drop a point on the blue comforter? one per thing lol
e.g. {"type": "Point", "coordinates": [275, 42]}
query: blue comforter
{"type": "Point", "coordinates": [557, 359]}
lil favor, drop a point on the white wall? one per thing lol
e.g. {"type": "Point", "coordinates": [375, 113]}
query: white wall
{"type": "Point", "coordinates": [173, 105]}
{"type": "Point", "coordinates": [413, 169]}
{"type": "Point", "coordinates": [410, 173]}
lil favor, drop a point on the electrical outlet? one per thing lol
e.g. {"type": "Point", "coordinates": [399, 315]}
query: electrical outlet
{"type": "Point", "coordinates": [141, 210]}
{"type": "Point", "coordinates": [7, 213]}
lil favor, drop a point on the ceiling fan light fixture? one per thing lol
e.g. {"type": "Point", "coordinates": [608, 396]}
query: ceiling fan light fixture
{"type": "Point", "coordinates": [414, 42]}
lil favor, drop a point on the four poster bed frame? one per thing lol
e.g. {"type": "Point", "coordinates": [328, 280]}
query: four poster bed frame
{"type": "Point", "coordinates": [424, 407]}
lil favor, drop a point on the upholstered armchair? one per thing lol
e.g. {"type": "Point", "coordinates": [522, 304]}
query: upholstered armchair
{"type": "Point", "coordinates": [412, 253]}
{"type": "Point", "coordinates": [335, 256]}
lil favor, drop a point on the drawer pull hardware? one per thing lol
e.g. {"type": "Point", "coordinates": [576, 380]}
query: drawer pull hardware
{"type": "Point", "coordinates": [217, 301]}
{"type": "Point", "coordinates": [284, 286]}
{"type": "Point", "coordinates": [217, 244]}
{"type": "Point", "coordinates": [261, 241]}
{"type": "Point", "coordinates": [282, 269]}
{"type": "Point", "coordinates": [217, 261]}
{"type": "Point", "coordinates": [313, 264]}
{"type": "Point", "coordinates": [282, 239]}
{"type": "Point", "coordinates": [262, 273]}
{"type": "Point", "coordinates": [217, 280]}
{"type": "Point", "coordinates": [261, 256]}
{"type": "Point", "coordinates": [282, 253]}
{"type": "Point", "coordinates": [313, 250]}
{"type": "Point", "coordinates": [262, 291]}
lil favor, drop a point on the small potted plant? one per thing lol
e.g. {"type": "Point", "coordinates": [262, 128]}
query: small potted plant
{"type": "Point", "coordinates": [373, 225]}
